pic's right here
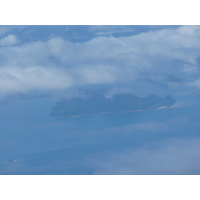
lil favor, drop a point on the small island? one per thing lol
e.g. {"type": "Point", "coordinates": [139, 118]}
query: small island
{"type": "Point", "coordinates": [98, 102]}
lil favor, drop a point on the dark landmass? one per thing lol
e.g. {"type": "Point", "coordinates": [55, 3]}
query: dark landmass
{"type": "Point", "coordinates": [95, 102]}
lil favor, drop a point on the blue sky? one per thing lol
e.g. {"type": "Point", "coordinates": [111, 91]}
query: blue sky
{"type": "Point", "coordinates": [54, 61]}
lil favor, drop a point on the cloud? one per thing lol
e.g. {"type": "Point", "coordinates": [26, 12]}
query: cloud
{"type": "Point", "coordinates": [149, 127]}
{"type": "Point", "coordinates": [9, 40]}
{"type": "Point", "coordinates": [154, 59]}
{"type": "Point", "coordinates": [195, 83]}
{"type": "Point", "coordinates": [121, 30]}
{"type": "Point", "coordinates": [9, 28]}
{"type": "Point", "coordinates": [100, 74]}
{"type": "Point", "coordinates": [115, 91]}
{"type": "Point", "coordinates": [175, 156]}
{"type": "Point", "coordinates": [154, 55]}
{"type": "Point", "coordinates": [15, 79]}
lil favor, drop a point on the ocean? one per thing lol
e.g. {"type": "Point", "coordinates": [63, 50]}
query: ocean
{"type": "Point", "coordinates": [32, 142]}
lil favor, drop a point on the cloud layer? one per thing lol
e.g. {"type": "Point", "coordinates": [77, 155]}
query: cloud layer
{"type": "Point", "coordinates": [161, 59]}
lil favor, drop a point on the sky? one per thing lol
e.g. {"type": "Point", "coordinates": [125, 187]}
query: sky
{"type": "Point", "coordinates": [41, 64]}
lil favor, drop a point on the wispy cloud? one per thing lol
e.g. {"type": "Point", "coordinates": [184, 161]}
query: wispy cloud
{"type": "Point", "coordinates": [147, 127]}
{"type": "Point", "coordinates": [176, 156]}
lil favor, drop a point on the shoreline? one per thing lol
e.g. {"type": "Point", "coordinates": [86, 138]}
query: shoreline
{"type": "Point", "coordinates": [101, 113]}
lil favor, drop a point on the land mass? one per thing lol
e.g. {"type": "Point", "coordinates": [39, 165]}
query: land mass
{"type": "Point", "coordinates": [98, 102]}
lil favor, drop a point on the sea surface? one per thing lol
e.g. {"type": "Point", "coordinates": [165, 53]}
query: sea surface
{"type": "Point", "coordinates": [32, 142]}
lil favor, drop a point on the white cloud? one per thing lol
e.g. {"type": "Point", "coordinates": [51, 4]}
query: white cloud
{"type": "Point", "coordinates": [9, 40]}
{"type": "Point", "coordinates": [15, 79]}
{"type": "Point", "coordinates": [114, 91]}
{"type": "Point", "coordinates": [195, 83]}
{"type": "Point", "coordinates": [149, 126]}
{"type": "Point", "coordinates": [190, 69]}
{"type": "Point", "coordinates": [188, 30]}
{"type": "Point", "coordinates": [176, 156]}
{"type": "Point", "coordinates": [148, 59]}
{"type": "Point", "coordinates": [96, 74]}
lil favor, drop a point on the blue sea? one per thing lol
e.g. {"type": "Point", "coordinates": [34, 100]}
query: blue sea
{"type": "Point", "coordinates": [163, 141]}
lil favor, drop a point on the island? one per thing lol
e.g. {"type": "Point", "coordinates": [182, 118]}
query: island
{"type": "Point", "coordinates": [97, 101]}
